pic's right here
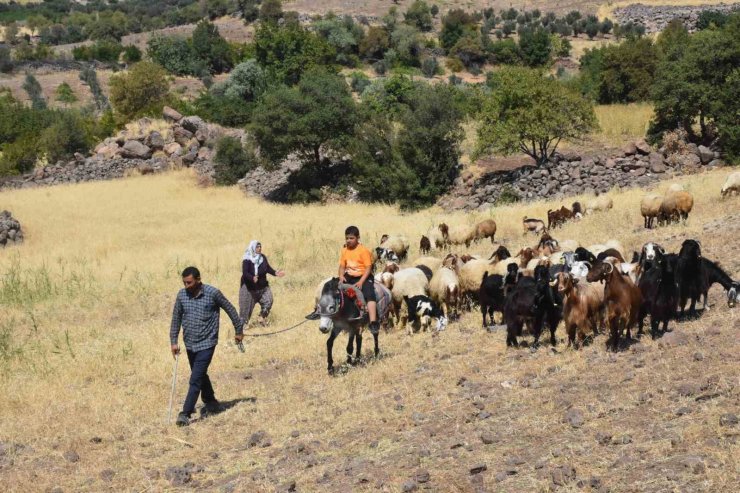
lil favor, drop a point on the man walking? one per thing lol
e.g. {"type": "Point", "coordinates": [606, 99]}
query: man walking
{"type": "Point", "coordinates": [197, 309]}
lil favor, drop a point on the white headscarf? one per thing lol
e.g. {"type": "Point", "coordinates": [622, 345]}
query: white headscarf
{"type": "Point", "coordinates": [251, 254]}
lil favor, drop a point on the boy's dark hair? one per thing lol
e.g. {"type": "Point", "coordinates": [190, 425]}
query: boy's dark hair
{"type": "Point", "coordinates": [191, 271]}
{"type": "Point", "coordinates": [352, 231]}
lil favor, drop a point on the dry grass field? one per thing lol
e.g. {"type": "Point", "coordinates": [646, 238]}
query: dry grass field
{"type": "Point", "coordinates": [85, 307]}
{"type": "Point", "coordinates": [619, 123]}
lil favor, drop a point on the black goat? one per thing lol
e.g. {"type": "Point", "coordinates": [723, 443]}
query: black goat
{"type": "Point", "coordinates": [501, 253]}
{"type": "Point", "coordinates": [491, 296]}
{"type": "Point", "coordinates": [584, 255]}
{"type": "Point", "coordinates": [533, 302]}
{"type": "Point", "coordinates": [659, 294]}
{"type": "Point", "coordinates": [713, 273]}
{"type": "Point", "coordinates": [690, 276]}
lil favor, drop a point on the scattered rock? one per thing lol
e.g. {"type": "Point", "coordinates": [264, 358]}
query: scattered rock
{"type": "Point", "coordinates": [287, 487]}
{"type": "Point", "coordinates": [10, 230]}
{"type": "Point", "coordinates": [258, 438]}
{"type": "Point", "coordinates": [478, 468]}
{"type": "Point", "coordinates": [728, 419]}
{"type": "Point", "coordinates": [574, 417]}
{"type": "Point", "coordinates": [487, 438]}
{"type": "Point", "coordinates": [687, 389]}
{"type": "Point", "coordinates": [681, 411]}
{"type": "Point", "coordinates": [96, 440]}
{"type": "Point", "coordinates": [705, 154]}
{"type": "Point", "coordinates": [603, 438]}
{"type": "Point", "coordinates": [71, 456]}
{"type": "Point", "coordinates": [409, 486]}
{"type": "Point", "coordinates": [673, 339]}
{"type": "Point", "coordinates": [629, 149]}
{"type": "Point", "coordinates": [694, 464]}
{"type": "Point", "coordinates": [643, 147]}
{"type": "Point", "coordinates": [621, 440]}
{"type": "Point", "coordinates": [178, 476]}
{"type": "Point", "coordinates": [295, 434]}
{"type": "Point", "coordinates": [107, 475]}
{"type": "Point", "coordinates": [422, 476]}
{"type": "Point", "coordinates": [562, 475]}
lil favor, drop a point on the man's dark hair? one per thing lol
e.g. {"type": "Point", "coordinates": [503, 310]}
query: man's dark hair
{"type": "Point", "coordinates": [191, 271]}
{"type": "Point", "coordinates": [352, 231]}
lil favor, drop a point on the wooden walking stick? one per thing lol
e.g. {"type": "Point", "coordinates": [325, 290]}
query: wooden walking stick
{"type": "Point", "coordinates": [172, 394]}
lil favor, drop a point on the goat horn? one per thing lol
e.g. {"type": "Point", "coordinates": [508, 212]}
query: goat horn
{"type": "Point", "coordinates": [611, 268]}
{"type": "Point", "coordinates": [554, 283]}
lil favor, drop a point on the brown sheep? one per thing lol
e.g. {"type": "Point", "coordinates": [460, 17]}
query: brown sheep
{"type": "Point", "coordinates": [650, 208]}
{"type": "Point", "coordinates": [485, 229]}
{"type": "Point", "coordinates": [675, 206]}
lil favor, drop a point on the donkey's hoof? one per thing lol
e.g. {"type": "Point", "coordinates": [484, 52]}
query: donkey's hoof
{"type": "Point", "coordinates": [331, 371]}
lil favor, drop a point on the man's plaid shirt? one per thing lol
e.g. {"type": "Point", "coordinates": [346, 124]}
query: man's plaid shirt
{"type": "Point", "coordinates": [199, 317]}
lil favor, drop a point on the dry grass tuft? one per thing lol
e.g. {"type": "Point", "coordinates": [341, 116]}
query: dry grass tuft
{"type": "Point", "coordinates": [620, 123]}
{"type": "Point", "coordinates": [84, 352]}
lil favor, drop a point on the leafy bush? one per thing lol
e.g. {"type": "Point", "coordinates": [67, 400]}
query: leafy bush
{"type": "Point", "coordinates": [358, 82]}
{"type": "Point", "coordinates": [232, 161]}
{"type": "Point", "coordinates": [175, 55]}
{"type": "Point", "coordinates": [141, 91]}
{"type": "Point", "coordinates": [246, 82]}
{"type": "Point", "coordinates": [90, 77]}
{"type": "Point", "coordinates": [6, 63]}
{"type": "Point", "coordinates": [224, 110]}
{"type": "Point", "coordinates": [102, 51]}
{"type": "Point", "coordinates": [35, 94]}
{"type": "Point", "coordinates": [375, 43]}
{"type": "Point", "coordinates": [131, 54]}
{"type": "Point", "coordinates": [535, 47]}
{"type": "Point", "coordinates": [429, 67]}
{"type": "Point", "coordinates": [210, 48]}
{"type": "Point", "coordinates": [454, 26]}
{"type": "Point", "coordinates": [455, 65]}
{"type": "Point", "coordinates": [64, 93]}
{"type": "Point", "coordinates": [419, 15]}
{"type": "Point", "coordinates": [711, 18]}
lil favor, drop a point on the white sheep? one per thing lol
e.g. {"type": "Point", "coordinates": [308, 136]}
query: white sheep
{"type": "Point", "coordinates": [675, 187]}
{"type": "Point", "coordinates": [433, 263]}
{"type": "Point", "coordinates": [732, 184]}
{"type": "Point", "coordinates": [444, 288]}
{"type": "Point", "coordinates": [393, 248]}
{"type": "Point", "coordinates": [650, 208]}
{"type": "Point", "coordinates": [406, 282]}
{"type": "Point", "coordinates": [600, 203]}
{"type": "Point", "coordinates": [471, 274]}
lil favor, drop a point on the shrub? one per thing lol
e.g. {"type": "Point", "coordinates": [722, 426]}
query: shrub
{"type": "Point", "coordinates": [90, 77]}
{"type": "Point", "coordinates": [374, 45]}
{"type": "Point", "coordinates": [140, 91]}
{"type": "Point", "coordinates": [102, 51]}
{"type": "Point", "coordinates": [535, 47]}
{"type": "Point", "coordinates": [6, 63]}
{"type": "Point", "coordinates": [174, 54]}
{"type": "Point", "coordinates": [19, 156]}
{"type": "Point", "coordinates": [232, 161]}
{"type": "Point", "coordinates": [454, 25]}
{"type": "Point", "coordinates": [224, 110]}
{"type": "Point", "coordinates": [429, 67]}
{"type": "Point", "coordinates": [131, 54]}
{"type": "Point", "coordinates": [210, 48]}
{"type": "Point", "coordinates": [33, 89]}
{"type": "Point", "coordinates": [64, 93]}
{"type": "Point", "coordinates": [419, 15]}
{"type": "Point", "coordinates": [358, 82]}
{"type": "Point", "coordinates": [455, 65]}
{"type": "Point", "coordinates": [247, 82]}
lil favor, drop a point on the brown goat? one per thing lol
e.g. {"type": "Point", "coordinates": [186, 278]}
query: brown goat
{"type": "Point", "coordinates": [582, 303]}
{"type": "Point", "coordinates": [558, 217]}
{"type": "Point", "coordinates": [547, 245]}
{"type": "Point", "coordinates": [621, 298]}
{"type": "Point", "coordinates": [485, 229]}
{"type": "Point", "coordinates": [424, 245]}
{"type": "Point", "coordinates": [391, 267]}
{"type": "Point", "coordinates": [525, 256]}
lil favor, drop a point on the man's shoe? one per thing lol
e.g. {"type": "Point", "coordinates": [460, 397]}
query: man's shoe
{"type": "Point", "coordinates": [182, 420]}
{"type": "Point", "coordinates": [374, 328]}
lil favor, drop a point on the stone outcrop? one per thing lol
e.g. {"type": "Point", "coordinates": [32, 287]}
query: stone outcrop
{"type": "Point", "coordinates": [656, 17]}
{"type": "Point", "coordinates": [10, 230]}
{"type": "Point", "coordinates": [149, 146]}
{"type": "Point", "coordinates": [569, 174]}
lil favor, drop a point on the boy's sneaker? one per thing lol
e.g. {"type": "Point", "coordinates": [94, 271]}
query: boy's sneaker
{"type": "Point", "coordinates": [182, 420]}
{"type": "Point", "coordinates": [374, 328]}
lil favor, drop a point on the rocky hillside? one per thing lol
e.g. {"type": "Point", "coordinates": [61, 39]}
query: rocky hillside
{"type": "Point", "coordinates": [656, 17]}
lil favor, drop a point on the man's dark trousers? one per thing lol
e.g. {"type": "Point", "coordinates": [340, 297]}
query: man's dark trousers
{"type": "Point", "coordinates": [199, 381]}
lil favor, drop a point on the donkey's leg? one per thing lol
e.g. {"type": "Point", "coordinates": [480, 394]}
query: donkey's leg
{"type": "Point", "coordinates": [329, 346]}
{"type": "Point", "coordinates": [358, 352]}
{"type": "Point", "coordinates": [377, 349]}
{"type": "Point", "coordinates": [350, 346]}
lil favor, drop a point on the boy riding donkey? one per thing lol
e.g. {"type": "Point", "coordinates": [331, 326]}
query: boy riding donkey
{"type": "Point", "coordinates": [356, 268]}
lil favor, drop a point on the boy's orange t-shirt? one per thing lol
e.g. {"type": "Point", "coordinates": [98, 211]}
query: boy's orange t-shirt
{"type": "Point", "coordinates": [356, 261]}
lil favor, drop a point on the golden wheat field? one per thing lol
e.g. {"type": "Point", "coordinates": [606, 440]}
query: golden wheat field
{"type": "Point", "coordinates": [85, 307]}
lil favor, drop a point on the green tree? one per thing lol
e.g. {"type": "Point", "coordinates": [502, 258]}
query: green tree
{"type": "Point", "coordinates": [250, 10]}
{"type": "Point", "coordinates": [6, 63]}
{"type": "Point", "coordinates": [143, 90]}
{"type": "Point", "coordinates": [374, 45]}
{"type": "Point", "coordinates": [175, 54]}
{"type": "Point", "coordinates": [434, 10]}
{"type": "Point", "coordinates": [535, 47]}
{"type": "Point", "coordinates": [211, 48]}
{"type": "Point", "coordinates": [64, 94]}
{"type": "Point", "coordinates": [232, 161]}
{"type": "Point", "coordinates": [341, 34]}
{"type": "Point", "coordinates": [469, 50]}
{"type": "Point", "coordinates": [35, 94]}
{"type": "Point", "coordinates": [246, 82]}
{"type": "Point", "coordinates": [317, 115]}
{"type": "Point", "coordinates": [89, 77]}
{"type": "Point", "coordinates": [271, 10]}
{"type": "Point", "coordinates": [419, 15]}
{"type": "Point", "coordinates": [131, 54]}
{"type": "Point", "coordinates": [289, 50]}
{"type": "Point", "coordinates": [530, 113]}
{"type": "Point", "coordinates": [454, 26]}
{"type": "Point", "coordinates": [11, 33]}
{"type": "Point", "coordinates": [691, 81]}
{"type": "Point", "coordinates": [406, 42]}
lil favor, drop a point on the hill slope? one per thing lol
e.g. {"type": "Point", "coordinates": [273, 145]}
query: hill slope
{"type": "Point", "coordinates": [84, 352]}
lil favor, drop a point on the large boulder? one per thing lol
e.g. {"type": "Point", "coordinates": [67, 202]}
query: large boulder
{"type": "Point", "coordinates": [133, 149]}
{"type": "Point", "coordinates": [705, 154]}
{"type": "Point", "coordinates": [629, 149]}
{"type": "Point", "coordinates": [181, 135]}
{"type": "Point", "coordinates": [171, 114]}
{"type": "Point", "coordinates": [656, 163]}
{"type": "Point", "coordinates": [155, 140]}
{"type": "Point", "coordinates": [193, 123]}
{"type": "Point", "coordinates": [173, 149]}
{"type": "Point", "coordinates": [643, 147]}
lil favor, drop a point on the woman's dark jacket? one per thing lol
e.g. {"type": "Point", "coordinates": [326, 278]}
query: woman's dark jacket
{"type": "Point", "coordinates": [262, 271]}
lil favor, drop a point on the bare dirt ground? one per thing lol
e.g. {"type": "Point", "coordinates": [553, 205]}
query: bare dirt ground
{"type": "Point", "coordinates": [88, 374]}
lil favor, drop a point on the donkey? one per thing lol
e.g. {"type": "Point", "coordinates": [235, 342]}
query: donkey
{"type": "Point", "coordinates": [338, 312]}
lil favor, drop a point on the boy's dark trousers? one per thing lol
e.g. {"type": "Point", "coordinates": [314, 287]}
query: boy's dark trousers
{"type": "Point", "coordinates": [200, 384]}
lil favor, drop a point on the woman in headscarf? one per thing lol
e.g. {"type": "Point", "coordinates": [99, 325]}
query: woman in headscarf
{"type": "Point", "coordinates": [254, 286]}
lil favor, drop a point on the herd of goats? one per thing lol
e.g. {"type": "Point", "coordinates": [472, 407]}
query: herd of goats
{"type": "Point", "coordinates": [590, 290]}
